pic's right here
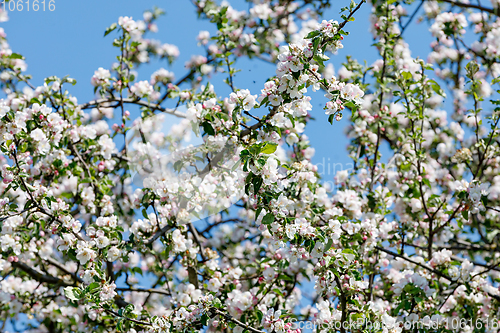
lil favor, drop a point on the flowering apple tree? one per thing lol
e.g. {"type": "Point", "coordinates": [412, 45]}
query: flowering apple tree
{"type": "Point", "coordinates": [238, 233]}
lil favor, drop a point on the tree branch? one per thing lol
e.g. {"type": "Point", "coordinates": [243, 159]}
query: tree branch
{"type": "Point", "coordinates": [470, 5]}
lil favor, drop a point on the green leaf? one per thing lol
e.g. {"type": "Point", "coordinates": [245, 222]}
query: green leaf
{"type": "Point", "coordinates": [264, 101]}
{"type": "Point", "coordinates": [437, 89]}
{"type": "Point", "coordinates": [472, 68]}
{"type": "Point", "coordinates": [72, 254]}
{"type": "Point", "coordinates": [207, 127]}
{"type": "Point", "coordinates": [277, 291]}
{"type": "Point", "coordinates": [268, 219]}
{"type": "Point", "coordinates": [217, 303]}
{"type": "Point", "coordinates": [331, 118]}
{"type": "Point", "coordinates": [490, 236]}
{"type": "Point", "coordinates": [406, 75]}
{"type": "Point", "coordinates": [285, 277]}
{"type": "Point", "coordinates": [137, 270]}
{"type": "Point", "coordinates": [257, 183]}
{"type": "Point", "coordinates": [269, 148]}
{"type": "Point", "coordinates": [260, 315]}
{"type": "Point", "coordinates": [110, 29]}
{"type": "Point", "coordinates": [119, 325]}
{"type": "Point", "coordinates": [93, 286]}
{"type": "Point", "coordinates": [328, 244]}
{"type": "Point", "coordinates": [257, 212]}
{"type": "Point", "coordinates": [35, 100]}
{"type": "Point", "coordinates": [316, 42]}
{"type": "Point", "coordinates": [312, 34]}
{"type": "Point", "coordinates": [204, 319]}
{"type": "Point", "coordinates": [16, 56]}
{"type": "Point", "coordinates": [70, 293]}
{"type": "Point", "coordinates": [236, 165]}
{"type": "Point", "coordinates": [178, 165]}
